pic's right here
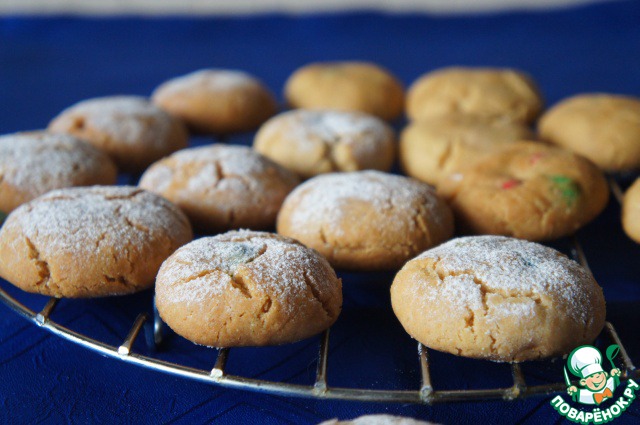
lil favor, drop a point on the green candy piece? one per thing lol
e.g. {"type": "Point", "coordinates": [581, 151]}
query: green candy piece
{"type": "Point", "coordinates": [3, 216]}
{"type": "Point", "coordinates": [568, 188]}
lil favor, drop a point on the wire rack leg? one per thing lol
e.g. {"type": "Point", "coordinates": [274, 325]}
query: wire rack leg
{"type": "Point", "coordinates": [320, 386]}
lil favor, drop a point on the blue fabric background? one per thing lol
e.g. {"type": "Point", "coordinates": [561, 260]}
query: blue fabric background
{"type": "Point", "coordinates": [47, 64]}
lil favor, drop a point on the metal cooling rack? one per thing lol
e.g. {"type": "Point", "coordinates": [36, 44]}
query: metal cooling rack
{"type": "Point", "coordinates": [426, 393]}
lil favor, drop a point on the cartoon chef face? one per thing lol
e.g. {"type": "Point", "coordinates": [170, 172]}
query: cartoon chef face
{"type": "Point", "coordinates": [596, 381]}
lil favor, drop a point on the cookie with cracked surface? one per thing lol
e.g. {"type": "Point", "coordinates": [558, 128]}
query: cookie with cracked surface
{"type": "Point", "coordinates": [484, 92]}
{"type": "Point", "coordinates": [90, 241]}
{"type": "Point", "coordinates": [312, 142]}
{"type": "Point", "coordinates": [433, 148]}
{"type": "Point", "coordinates": [498, 298]}
{"type": "Point", "coordinates": [245, 288]}
{"type": "Point", "coordinates": [346, 86]}
{"type": "Point", "coordinates": [377, 420]}
{"type": "Point", "coordinates": [366, 220]}
{"type": "Point", "coordinates": [222, 187]}
{"type": "Point", "coordinates": [631, 211]}
{"type": "Point", "coordinates": [604, 128]}
{"type": "Point", "coordinates": [217, 101]}
{"type": "Point", "coordinates": [130, 129]}
{"type": "Point", "coordinates": [34, 163]}
{"type": "Point", "coordinates": [528, 190]}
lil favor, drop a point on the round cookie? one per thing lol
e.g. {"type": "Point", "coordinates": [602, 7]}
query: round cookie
{"type": "Point", "coordinates": [246, 288]}
{"type": "Point", "coordinates": [346, 86]}
{"type": "Point", "coordinates": [90, 241]}
{"type": "Point", "coordinates": [222, 187]}
{"type": "Point", "coordinates": [483, 92]}
{"type": "Point", "coordinates": [498, 298]}
{"type": "Point", "coordinates": [312, 142]}
{"type": "Point", "coordinates": [631, 211]}
{"type": "Point", "coordinates": [604, 128]}
{"type": "Point", "coordinates": [34, 163]}
{"type": "Point", "coordinates": [130, 129]}
{"type": "Point", "coordinates": [365, 220]}
{"type": "Point", "coordinates": [528, 190]}
{"type": "Point", "coordinates": [217, 101]}
{"type": "Point", "coordinates": [436, 147]}
{"type": "Point", "coordinates": [377, 420]}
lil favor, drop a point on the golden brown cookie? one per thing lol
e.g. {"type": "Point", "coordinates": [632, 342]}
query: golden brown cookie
{"type": "Point", "coordinates": [90, 241]}
{"type": "Point", "coordinates": [528, 190]}
{"type": "Point", "coordinates": [498, 298]}
{"type": "Point", "coordinates": [34, 163]}
{"type": "Point", "coordinates": [365, 220]}
{"type": "Point", "coordinates": [346, 86]}
{"type": "Point", "coordinates": [312, 142]}
{"type": "Point", "coordinates": [435, 147]}
{"type": "Point", "coordinates": [217, 101]}
{"type": "Point", "coordinates": [484, 92]}
{"type": "Point", "coordinates": [631, 211]}
{"type": "Point", "coordinates": [246, 288]}
{"type": "Point", "coordinates": [604, 128]}
{"type": "Point", "coordinates": [130, 129]}
{"type": "Point", "coordinates": [222, 187]}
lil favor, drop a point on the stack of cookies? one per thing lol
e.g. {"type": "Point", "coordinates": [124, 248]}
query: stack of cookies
{"type": "Point", "coordinates": [318, 175]}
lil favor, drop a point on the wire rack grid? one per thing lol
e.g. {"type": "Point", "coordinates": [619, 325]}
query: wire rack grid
{"type": "Point", "coordinates": [426, 393]}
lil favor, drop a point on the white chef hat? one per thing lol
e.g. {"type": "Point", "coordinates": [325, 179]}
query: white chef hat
{"type": "Point", "coordinates": [585, 361]}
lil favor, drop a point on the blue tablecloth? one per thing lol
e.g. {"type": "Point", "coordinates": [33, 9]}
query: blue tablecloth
{"type": "Point", "coordinates": [47, 64]}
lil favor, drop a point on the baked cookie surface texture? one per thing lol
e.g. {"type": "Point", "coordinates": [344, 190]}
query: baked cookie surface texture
{"type": "Point", "coordinates": [130, 129]}
{"type": "Point", "coordinates": [483, 92]}
{"type": "Point", "coordinates": [90, 241]}
{"type": "Point", "coordinates": [365, 220]}
{"type": "Point", "coordinates": [604, 128]}
{"type": "Point", "coordinates": [222, 187]}
{"type": "Point", "coordinates": [217, 101]}
{"type": "Point", "coordinates": [527, 190]}
{"type": "Point", "coordinates": [498, 298]}
{"type": "Point", "coordinates": [245, 288]}
{"type": "Point", "coordinates": [34, 163]}
{"type": "Point", "coordinates": [346, 86]}
{"type": "Point", "coordinates": [312, 142]}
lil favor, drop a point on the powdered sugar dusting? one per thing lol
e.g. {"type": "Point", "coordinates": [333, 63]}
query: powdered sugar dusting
{"type": "Point", "coordinates": [130, 120]}
{"type": "Point", "coordinates": [277, 266]}
{"type": "Point", "coordinates": [323, 199]}
{"type": "Point", "coordinates": [38, 162]}
{"type": "Point", "coordinates": [207, 169]}
{"type": "Point", "coordinates": [80, 221]}
{"type": "Point", "coordinates": [513, 268]}
{"type": "Point", "coordinates": [306, 127]}
{"type": "Point", "coordinates": [213, 80]}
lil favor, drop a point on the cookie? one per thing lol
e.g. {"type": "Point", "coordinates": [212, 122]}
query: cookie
{"type": "Point", "coordinates": [346, 86]}
{"type": "Point", "coordinates": [130, 129]}
{"type": "Point", "coordinates": [604, 128]}
{"type": "Point", "coordinates": [484, 92]}
{"type": "Point", "coordinates": [34, 163]}
{"type": "Point", "coordinates": [528, 190]}
{"type": "Point", "coordinates": [631, 211]}
{"type": "Point", "coordinates": [217, 101]}
{"type": "Point", "coordinates": [498, 298]}
{"type": "Point", "coordinates": [246, 288]}
{"type": "Point", "coordinates": [436, 147]}
{"type": "Point", "coordinates": [90, 241]}
{"type": "Point", "coordinates": [365, 220]}
{"type": "Point", "coordinates": [312, 142]}
{"type": "Point", "coordinates": [377, 420]}
{"type": "Point", "coordinates": [222, 187]}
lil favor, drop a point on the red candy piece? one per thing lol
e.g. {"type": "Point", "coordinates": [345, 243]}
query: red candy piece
{"type": "Point", "coordinates": [510, 184]}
